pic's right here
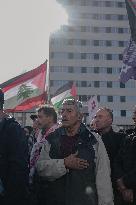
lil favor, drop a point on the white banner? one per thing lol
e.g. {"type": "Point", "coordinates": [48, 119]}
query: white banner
{"type": "Point", "coordinates": [92, 107]}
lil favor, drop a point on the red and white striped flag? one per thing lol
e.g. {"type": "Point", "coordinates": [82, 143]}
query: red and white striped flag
{"type": "Point", "coordinates": [25, 91]}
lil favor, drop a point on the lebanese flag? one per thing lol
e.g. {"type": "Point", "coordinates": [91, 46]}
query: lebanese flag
{"type": "Point", "coordinates": [25, 91]}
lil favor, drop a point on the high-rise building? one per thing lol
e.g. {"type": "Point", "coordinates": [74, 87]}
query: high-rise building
{"type": "Point", "coordinates": [89, 51]}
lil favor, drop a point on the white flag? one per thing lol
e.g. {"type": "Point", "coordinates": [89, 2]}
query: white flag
{"type": "Point", "coordinates": [92, 107]}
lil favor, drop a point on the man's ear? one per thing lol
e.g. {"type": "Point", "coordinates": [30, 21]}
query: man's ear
{"type": "Point", "coordinates": [50, 118]}
{"type": "Point", "coordinates": [111, 121]}
{"type": "Point", "coordinates": [80, 116]}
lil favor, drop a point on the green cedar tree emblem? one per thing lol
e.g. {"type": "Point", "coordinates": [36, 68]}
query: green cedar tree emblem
{"type": "Point", "coordinates": [24, 92]}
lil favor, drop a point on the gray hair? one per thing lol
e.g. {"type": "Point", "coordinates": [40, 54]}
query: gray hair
{"type": "Point", "coordinates": [78, 104]}
{"type": "Point", "coordinates": [109, 111]}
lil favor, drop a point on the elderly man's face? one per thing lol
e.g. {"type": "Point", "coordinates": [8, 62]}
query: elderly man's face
{"type": "Point", "coordinates": [134, 118]}
{"type": "Point", "coordinates": [70, 116]}
{"type": "Point", "coordinates": [93, 124]}
{"type": "Point", "coordinates": [102, 120]}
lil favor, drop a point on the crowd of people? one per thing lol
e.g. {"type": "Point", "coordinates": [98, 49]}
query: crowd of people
{"type": "Point", "coordinates": [66, 163]}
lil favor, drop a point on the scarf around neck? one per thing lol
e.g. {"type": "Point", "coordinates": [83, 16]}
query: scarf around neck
{"type": "Point", "coordinates": [35, 153]}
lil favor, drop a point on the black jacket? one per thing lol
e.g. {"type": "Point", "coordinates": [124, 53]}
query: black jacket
{"type": "Point", "coordinates": [130, 131]}
{"type": "Point", "coordinates": [70, 188]}
{"type": "Point", "coordinates": [125, 163]}
{"type": "Point", "coordinates": [13, 162]}
{"type": "Point", "coordinates": [113, 141]}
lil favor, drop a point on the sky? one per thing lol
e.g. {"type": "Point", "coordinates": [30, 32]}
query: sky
{"type": "Point", "coordinates": [25, 26]}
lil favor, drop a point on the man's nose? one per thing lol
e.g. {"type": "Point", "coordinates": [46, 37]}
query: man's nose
{"type": "Point", "coordinates": [38, 120]}
{"type": "Point", "coordinates": [64, 113]}
{"type": "Point", "coordinates": [96, 119]}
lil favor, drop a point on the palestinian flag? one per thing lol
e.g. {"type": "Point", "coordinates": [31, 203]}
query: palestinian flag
{"type": "Point", "coordinates": [25, 91]}
{"type": "Point", "coordinates": [67, 91]}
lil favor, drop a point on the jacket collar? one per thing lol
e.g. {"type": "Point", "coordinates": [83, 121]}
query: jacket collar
{"type": "Point", "coordinates": [84, 133]}
{"type": "Point", "coordinates": [81, 129]}
{"type": "Point", "coordinates": [108, 133]}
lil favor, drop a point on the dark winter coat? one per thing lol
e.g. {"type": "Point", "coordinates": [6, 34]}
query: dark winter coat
{"type": "Point", "coordinates": [113, 142]}
{"type": "Point", "coordinates": [13, 162]}
{"type": "Point", "coordinates": [125, 166]}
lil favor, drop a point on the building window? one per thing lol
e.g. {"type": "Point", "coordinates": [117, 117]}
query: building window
{"type": "Point", "coordinates": [120, 17]}
{"type": "Point", "coordinates": [83, 28]}
{"type": "Point", "coordinates": [83, 70]}
{"type": "Point", "coordinates": [83, 84]}
{"type": "Point", "coordinates": [108, 56]}
{"type": "Point", "coordinates": [96, 56]}
{"type": "Point", "coordinates": [83, 3]}
{"type": "Point", "coordinates": [120, 30]}
{"type": "Point", "coordinates": [70, 69]}
{"type": "Point", "coordinates": [109, 70]}
{"type": "Point", "coordinates": [83, 42]}
{"type": "Point", "coordinates": [83, 55]}
{"type": "Point", "coordinates": [51, 83]}
{"type": "Point", "coordinates": [71, 28]}
{"type": "Point", "coordinates": [96, 3]}
{"type": "Point", "coordinates": [109, 84]}
{"type": "Point", "coordinates": [108, 43]}
{"type": "Point", "coordinates": [123, 113]}
{"type": "Point", "coordinates": [121, 43]}
{"type": "Point", "coordinates": [70, 41]}
{"type": "Point", "coordinates": [120, 56]}
{"type": "Point", "coordinates": [83, 98]}
{"type": "Point", "coordinates": [109, 98]}
{"type": "Point", "coordinates": [70, 55]}
{"type": "Point", "coordinates": [89, 84]}
{"type": "Point", "coordinates": [52, 54]}
{"type": "Point", "coordinates": [108, 3]}
{"type": "Point", "coordinates": [96, 70]}
{"type": "Point", "coordinates": [108, 29]}
{"type": "Point", "coordinates": [107, 16]}
{"type": "Point", "coordinates": [52, 41]}
{"type": "Point", "coordinates": [122, 85]}
{"type": "Point", "coordinates": [96, 42]}
{"type": "Point", "coordinates": [120, 4]}
{"type": "Point", "coordinates": [52, 69]}
{"type": "Point", "coordinates": [96, 84]}
{"type": "Point", "coordinates": [122, 98]}
{"type": "Point", "coordinates": [98, 98]}
{"type": "Point", "coordinates": [95, 29]}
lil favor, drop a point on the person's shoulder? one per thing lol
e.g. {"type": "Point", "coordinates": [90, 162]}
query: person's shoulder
{"type": "Point", "coordinates": [131, 137]}
{"type": "Point", "coordinates": [93, 136]}
{"type": "Point", "coordinates": [119, 134]}
{"type": "Point", "coordinates": [13, 130]}
{"type": "Point", "coordinates": [11, 122]}
{"type": "Point", "coordinates": [119, 137]}
{"type": "Point", "coordinates": [57, 133]}
{"type": "Point", "coordinates": [130, 131]}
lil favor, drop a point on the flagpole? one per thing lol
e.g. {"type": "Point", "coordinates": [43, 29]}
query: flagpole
{"type": "Point", "coordinates": [48, 78]}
